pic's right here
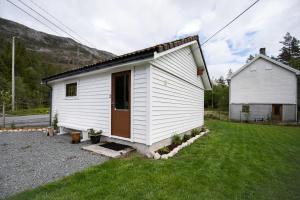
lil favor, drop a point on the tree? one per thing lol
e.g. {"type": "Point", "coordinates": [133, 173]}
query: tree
{"type": "Point", "coordinates": [221, 81]}
{"type": "Point", "coordinates": [218, 97]}
{"type": "Point", "coordinates": [229, 73]}
{"type": "Point", "coordinates": [30, 68]}
{"type": "Point", "coordinates": [249, 58]}
{"type": "Point", "coordinates": [4, 98]}
{"type": "Point", "coordinates": [290, 52]}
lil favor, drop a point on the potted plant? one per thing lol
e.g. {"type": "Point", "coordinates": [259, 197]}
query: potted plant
{"type": "Point", "coordinates": [95, 136]}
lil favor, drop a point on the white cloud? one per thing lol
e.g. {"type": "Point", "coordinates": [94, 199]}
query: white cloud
{"type": "Point", "coordinates": [102, 24]}
{"type": "Point", "coordinates": [191, 27]}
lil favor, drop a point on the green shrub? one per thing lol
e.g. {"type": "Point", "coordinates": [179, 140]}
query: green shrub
{"type": "Point", "coordinates": [186, 138]}
{"type": "Point", "coordinates": [176, 140]}
{"type": "Point", "coordinates": [195, 132]}
{"type": "Point", "coordinates": [203, 129]}
{"type": "Point", "coordinates": [164, 150]}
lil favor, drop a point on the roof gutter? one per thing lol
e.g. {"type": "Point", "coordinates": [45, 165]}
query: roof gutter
{"type": "Point", "coordinates": [204, 64]}
{"type": "Point", "coordinates": [50, 100]}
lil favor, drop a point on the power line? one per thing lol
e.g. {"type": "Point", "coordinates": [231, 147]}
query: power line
{"type": "Point", "coordinates": [48, 20]}
{"type": "Point", "coordinates": [32, 16]}
{"type": "Point", "coordinates": [59, 21]}
{"type": "Point", "coordinates": [230, 22]}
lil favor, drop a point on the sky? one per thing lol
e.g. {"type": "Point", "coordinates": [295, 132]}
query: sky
{"type": "Point", "coordinates": [122, 26]}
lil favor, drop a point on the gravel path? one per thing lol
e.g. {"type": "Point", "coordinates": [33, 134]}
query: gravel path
{"type": "Point", "coordinates": [30, 159]}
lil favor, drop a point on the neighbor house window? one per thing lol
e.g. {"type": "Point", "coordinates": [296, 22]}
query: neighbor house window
{"type": "Point", "coordinates": [71, 89]}
{"type": "Point", "coordinates": [245, 108]}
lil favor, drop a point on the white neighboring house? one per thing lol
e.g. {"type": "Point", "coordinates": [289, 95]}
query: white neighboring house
{"type": "Point", "coordinates": [263, 90]}
{"type": "Point", "coordinates": [141, 99]}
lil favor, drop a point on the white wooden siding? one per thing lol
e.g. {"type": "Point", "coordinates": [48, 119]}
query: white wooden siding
{"type": "Point", "coordinates": [268, 83]}
{"type": "Point", "coordinates": [177, 95]}
{"type": "Point", "coordinates": [139, 117]}
{"type": "Point", "coordinates": [181, 63]}
{"type": "Point", "coordinates": [92, 107]}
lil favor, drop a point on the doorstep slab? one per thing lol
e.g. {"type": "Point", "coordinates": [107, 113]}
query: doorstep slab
{"type": "Point", "coordinates": [96, 148]}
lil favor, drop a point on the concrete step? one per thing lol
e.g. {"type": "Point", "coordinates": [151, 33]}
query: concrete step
{"type": "Point", "coordinates": [96, 148]}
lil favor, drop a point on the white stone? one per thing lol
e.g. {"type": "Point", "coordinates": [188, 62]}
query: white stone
{"type": "Point", "coordinates": [171, 154]}
{"type": "Point", "coordinates": [157, 156]}
{"type": "Point", "coordinates": [175, 150]}
{"type": "Point", "coordinates": [190, 140]}
{"type": "Point", "coordinates": [165, 156]}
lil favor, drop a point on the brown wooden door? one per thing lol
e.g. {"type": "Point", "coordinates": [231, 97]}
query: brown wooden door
{"type": "Point", "coordinates": [120, 104]}
{"type": "Point", "coordinates": [277, 112]}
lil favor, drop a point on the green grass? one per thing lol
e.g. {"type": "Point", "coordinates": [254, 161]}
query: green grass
{"type": "Point", "coordinates": [29, 111]}
{"type": "Point", "coordinates": [235, 161]}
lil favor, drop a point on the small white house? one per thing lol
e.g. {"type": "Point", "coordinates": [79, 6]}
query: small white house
{"type": "Point", "coordinates": [263, 90]}
{"type": "Point", "coordinates": [140, 99]}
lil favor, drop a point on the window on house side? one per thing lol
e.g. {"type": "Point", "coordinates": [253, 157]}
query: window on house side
{"type": "Point", "coordinates": [245, 108]}
{"type": "Point", "coordinates": [71, 89]}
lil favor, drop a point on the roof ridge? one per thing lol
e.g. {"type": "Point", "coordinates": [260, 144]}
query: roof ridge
{"type": "Point", "coordinates": [147, 51]}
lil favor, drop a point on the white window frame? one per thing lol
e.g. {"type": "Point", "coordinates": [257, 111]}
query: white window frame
{"type": "Point", "coordinates": [77, 91]}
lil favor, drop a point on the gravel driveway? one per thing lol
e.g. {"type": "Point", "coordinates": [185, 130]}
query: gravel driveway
{"type": "Point", "coordinates": [30, 159]}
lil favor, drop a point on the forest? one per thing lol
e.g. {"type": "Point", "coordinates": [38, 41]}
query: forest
{"type": "Point", "coordinates": [29, 70]}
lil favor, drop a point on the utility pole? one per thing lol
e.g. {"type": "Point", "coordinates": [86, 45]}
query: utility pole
{"type": "Point", "coordinates": [13, 75]}
{"type": "Point", "coordinates": [212, 96]}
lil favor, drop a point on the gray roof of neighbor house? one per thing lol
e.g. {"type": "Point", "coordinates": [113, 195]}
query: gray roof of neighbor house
{"type": "Point", "coordinates": [133, 56]}
{"type": "Point", "coordinates": [297, 72]}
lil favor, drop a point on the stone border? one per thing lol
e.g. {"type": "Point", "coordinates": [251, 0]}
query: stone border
{"type": "Point", "coordinates": [157, 156]}
{"type": "Point", "coordinates": [23, 130]}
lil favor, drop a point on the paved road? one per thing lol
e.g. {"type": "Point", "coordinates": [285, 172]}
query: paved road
{"type": "Point", "coordinates": [29, 120]}
{"type": "Point", "coordinates": [30, 159]}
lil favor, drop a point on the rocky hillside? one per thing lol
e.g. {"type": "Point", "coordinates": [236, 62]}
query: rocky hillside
{"type": "Point", "coordinates": [58, 51]}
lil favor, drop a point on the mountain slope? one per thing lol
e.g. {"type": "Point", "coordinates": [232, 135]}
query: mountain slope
{"type": "Point", "coordinates": [59, 51]}
{"type": "Point", "coordinates": [37, 55]}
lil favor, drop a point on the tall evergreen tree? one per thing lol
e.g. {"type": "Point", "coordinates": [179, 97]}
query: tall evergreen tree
{"type": "Point", "coordinates": [290, 52]}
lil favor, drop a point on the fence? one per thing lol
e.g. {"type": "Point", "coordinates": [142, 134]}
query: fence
{"type": "Point", "coordinates": [216, 114]}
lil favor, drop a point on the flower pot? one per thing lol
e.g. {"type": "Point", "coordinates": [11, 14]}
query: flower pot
{"type": "Point", "coordinates": [75, 137]}
{"type": "Point", "coordinates": [95, 139]}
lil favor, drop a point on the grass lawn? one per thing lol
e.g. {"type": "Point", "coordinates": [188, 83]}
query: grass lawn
{"type": "Point", "coordinates": [29, 111]}
{"type": "Point", "coordinates": [235, 161]}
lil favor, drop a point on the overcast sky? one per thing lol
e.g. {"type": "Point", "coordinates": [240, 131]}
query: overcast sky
{"type": "Point", "coordinates": [121, 26]}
